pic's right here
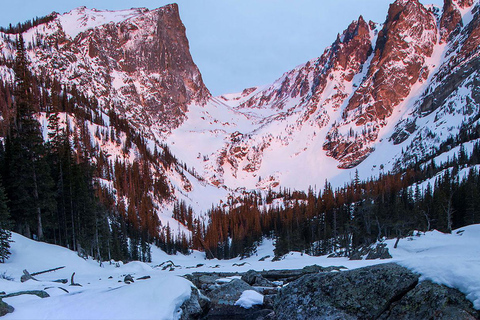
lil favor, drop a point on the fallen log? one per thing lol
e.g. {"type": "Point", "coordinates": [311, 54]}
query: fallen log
{"type": "Point", "coordinates": [64, 281]}
{"type": "Point", "coordinates": [39, 293]}
{"type": "Point", "coordinates": [45, 271]}
{"type": "Point", "coordinates": [58, 288]}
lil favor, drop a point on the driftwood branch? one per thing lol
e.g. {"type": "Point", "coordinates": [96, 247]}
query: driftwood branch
{"type": "Point", "coordinates": [26, 276]}
{"type": "Point", "coordinates": [45, 271]}
{"type": "Point", "coordinates": [29, 276]}
{"type": "Point", "coordinates": [64, 281]}
{"type": "Point", "coordinates": [72, 283]}
{"type": "Point", "coordinates": [38, 293]}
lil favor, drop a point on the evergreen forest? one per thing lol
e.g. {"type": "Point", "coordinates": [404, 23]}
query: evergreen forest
{"type": "Point", "coordinates": [58, 186]}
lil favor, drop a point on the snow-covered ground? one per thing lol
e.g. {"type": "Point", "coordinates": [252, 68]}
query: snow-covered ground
{"type": "Point", "coordinates": [450, 259]}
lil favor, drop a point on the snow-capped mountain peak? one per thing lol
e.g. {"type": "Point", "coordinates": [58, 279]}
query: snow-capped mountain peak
{"type": "Point", "coordinates": [81, 19]}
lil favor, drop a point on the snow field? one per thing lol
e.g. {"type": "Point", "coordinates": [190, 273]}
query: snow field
{"type": "Point", "coordinates": [449, 259]}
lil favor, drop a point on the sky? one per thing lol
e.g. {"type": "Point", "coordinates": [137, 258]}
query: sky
{"type": "Point", "coordinates": [237, 43]}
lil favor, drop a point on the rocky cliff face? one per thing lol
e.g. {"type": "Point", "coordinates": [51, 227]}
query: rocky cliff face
{"type": "Point", "coordinates": [150, 64]}
{"type": "Point", "coordinates": [361, 97]}
{"type": "Point", "coordinates": [136, 61]}
{"type": "Point", "coordinates": [303, 98]}
{"type": "Point", "coordinates": [403, 45]}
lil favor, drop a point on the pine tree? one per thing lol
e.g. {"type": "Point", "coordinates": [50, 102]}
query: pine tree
{"type": "Point", "coordinates": [28, 180]}
{"type": "Point", "coordinates": [5, 225]}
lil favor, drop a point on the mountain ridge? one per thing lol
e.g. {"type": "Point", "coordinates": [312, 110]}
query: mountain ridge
{"type": "Point", "coordinates": [326, 117]}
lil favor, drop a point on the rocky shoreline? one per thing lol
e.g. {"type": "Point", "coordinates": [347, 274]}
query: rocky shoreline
{"type": "Point", "coordinates": [385, 291]}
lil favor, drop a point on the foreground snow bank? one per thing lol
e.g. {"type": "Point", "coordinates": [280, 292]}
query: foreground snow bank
{"type": "Point", "coordinates": [103, 294]}
{"type": "Point", "coordinates": [449, 259]}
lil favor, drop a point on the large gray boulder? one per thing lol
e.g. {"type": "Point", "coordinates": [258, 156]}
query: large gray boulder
{"type": "Point", "coordinates": [363, 293]}
{"type": "Point", "coordinates": [432, 301]}
{"type": "Point", "coordinates": [196, 306]}
{"type": "Point", "coordinates": [228, 293]}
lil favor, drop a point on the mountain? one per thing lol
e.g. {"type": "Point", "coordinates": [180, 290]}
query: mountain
{"type": "Point", "coordinates": [382, 98]}
{"type": "Point", "coordinates": [360, 106]}
{"type": "Point", "coordinates": [134, 63]}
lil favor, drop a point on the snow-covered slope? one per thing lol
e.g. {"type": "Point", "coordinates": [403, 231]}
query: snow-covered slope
{"type": "Point", "coordinates": [99, 297]}
{"type": "Point", "coordinates": [360, 106]}
{"type": "Point", "coordinates": [450, 259]}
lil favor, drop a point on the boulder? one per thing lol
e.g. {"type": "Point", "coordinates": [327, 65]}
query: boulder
{"type": "Point", "coordinates": [229, 293]}
{"type": "Point", "coordinates": [128, 279]}
{"type": "Point", "coordinates": [202, 281]}
{"type": "Point", "coordinates": [432, 301]}
{"type": "Point", "coordinates": [254, 278]}
{"type": "Point", "coordinates": [223, 300]}
{"type": "Point", "coordinates": [376, 251]}
{"type": "Point", "coordinates": [196, 306]}
{"type": "Point", "coordinates": [357, 294]}
{"type": "Point", "coordinates": [5, 308]}
{"type": "Point", "coordinates": [380, 251]}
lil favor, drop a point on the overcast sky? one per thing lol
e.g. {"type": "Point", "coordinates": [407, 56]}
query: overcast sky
{"type": "Point", "coordinates": [237, 43]}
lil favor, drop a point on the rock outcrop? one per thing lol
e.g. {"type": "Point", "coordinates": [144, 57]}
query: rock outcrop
{"type": "Point", "coordinates": [139, 63]}
{"type": "Point", "coordinates": [152, 55]}
{"type": "Point", "coordinates": [386, 291]}
{"type": "Point", "coordinates": [5, 308]}
{"type": "Point", "coordinates": [403, 45]}
{"type": "Point", "coordinates": [450, 21]}
{"type": "Point", "coordinates": [431, 301]}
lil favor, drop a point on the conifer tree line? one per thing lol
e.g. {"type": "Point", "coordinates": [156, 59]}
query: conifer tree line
{"type": "Point", "coordinates": [358, 214]}
{"type": "Point", "coordinates": [50, 191]}
{"type": "Point", "coordinates": [22, 27]}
